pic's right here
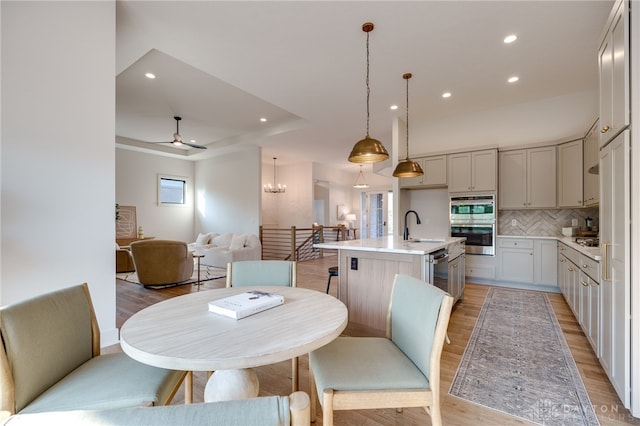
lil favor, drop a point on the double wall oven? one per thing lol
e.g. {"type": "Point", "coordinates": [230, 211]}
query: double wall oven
{"type": "Point", "coordinates": [474, 218]}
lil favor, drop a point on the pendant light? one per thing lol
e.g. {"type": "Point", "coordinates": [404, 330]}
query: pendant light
{"type": "Point", "coordinates": [368, 150]}
{"type": "Point", "coordinates": [360, 182]}
{"type": "Point", "coordinates": [407, 168]}
{"type": "Point", "coordinates": [275, 189]}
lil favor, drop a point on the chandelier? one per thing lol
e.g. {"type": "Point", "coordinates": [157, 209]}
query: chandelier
{"type": "Point", "coordinates": [368, 150]}
{"type": "Point", "coordinates": [275, 189]}
{"type": "Point", "coordinates": [360, 182]}
{"type": "Point", "coordinates": [407, 168]}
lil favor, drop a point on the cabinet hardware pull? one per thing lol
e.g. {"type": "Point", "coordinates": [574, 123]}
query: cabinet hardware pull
{"type": "Point", "coordinates": [605, 265]}
{"type": "Point", "coordinates": [605, 129]}
{"type": "Point", "coordinates": [570, 269]}
{"type": "Point", "coordinates": [585, 284]}
{"type": "Point", "coordinates": [585, 266]}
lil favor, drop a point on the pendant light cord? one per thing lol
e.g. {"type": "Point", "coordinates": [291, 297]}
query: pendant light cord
{"type": "Point", "coordinates": [407, 120]}
{"type": "Point", "coordinates": [367, 82]}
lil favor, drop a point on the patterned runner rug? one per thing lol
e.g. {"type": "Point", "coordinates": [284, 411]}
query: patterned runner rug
{"type": "Point", "coordinates": [517, 361]}
{"type": "Point", "coordinates": [206, 273]}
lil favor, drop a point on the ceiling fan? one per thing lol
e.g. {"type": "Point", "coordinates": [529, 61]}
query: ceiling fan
{"type": "Point", "coordinates": [177, 139]}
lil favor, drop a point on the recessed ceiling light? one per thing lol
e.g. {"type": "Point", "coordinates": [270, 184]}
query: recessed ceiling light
{"type": "Point", "coordinates": [393, 107]}
{"type": "Point", "coordinates": [510, 38]}
{"type": "Point", "coordinates": [264, 120]}
{"type": "Point", "coordinates": [513, 79]}
{"type": "Point", "coordinates": [150, 75]}
{"type": "Point", "coordinates": [446, 95]}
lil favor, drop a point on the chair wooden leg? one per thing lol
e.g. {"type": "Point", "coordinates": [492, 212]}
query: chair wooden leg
{"type": "Point", "coordinates": [436, 416]}
{"type": "Point", "coordinates": [188, 388]}
{"type": "Point", "coordinates": [313, 395]}
{"type": "Point", "coordinates": [327, 407]}
{"type": "Point", "coordinates": [299, 409]}
{"type": "Point", "coordinates": [294, 375]}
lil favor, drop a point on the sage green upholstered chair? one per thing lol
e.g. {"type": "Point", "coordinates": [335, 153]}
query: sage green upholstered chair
{"type": "Point", "coordinates": [399, 370]}
{"type": "Point", "coordinates": [292, 410]}
{"type": "Point", "coordinates": [265, 272]}
{"type": "Point", "coordinates": [161, 262]}
{"type": "Point", "coordinates": [50, 360]}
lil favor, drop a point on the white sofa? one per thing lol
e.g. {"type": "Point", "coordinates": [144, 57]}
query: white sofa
{"type": "Point", "coordinates": [219, 250]}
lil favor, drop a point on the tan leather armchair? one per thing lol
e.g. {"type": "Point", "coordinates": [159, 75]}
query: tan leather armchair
{"type": "Point", "coordinates": [160, 262]}
{"type": "Point", "coordinates": [124, 261]}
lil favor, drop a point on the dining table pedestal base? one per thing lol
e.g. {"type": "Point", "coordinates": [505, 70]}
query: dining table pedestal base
{"type": "Point", "coordinates": [226, 385]}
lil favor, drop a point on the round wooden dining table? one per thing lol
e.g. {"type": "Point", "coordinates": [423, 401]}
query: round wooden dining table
{"type": "Point", "coordinates": [182, 334]}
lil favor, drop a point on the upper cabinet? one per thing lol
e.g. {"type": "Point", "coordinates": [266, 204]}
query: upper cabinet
{"type": "Point", "coordinates": [435, 173]}
{"type": "Point", "coordinates": [613, 62]}
{"type": "Point", "coordinates": [473, 171]}
{"type": "Point", "coordinates": [570, 174]}
{"type": "Point", "coordinates": [590, 170]}
{"type": "Point", "coordinates": [528, 178]}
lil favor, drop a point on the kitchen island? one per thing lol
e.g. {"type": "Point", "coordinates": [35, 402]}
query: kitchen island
{"type": "Point", "coordinates": [367, 269]}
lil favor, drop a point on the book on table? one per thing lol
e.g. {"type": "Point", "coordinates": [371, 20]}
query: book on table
{"type": "Point", "coordinates": [245, 304]}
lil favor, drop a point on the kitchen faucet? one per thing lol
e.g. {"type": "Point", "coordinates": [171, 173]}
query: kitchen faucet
{"type": "Point", "coordinates": [406, 227]}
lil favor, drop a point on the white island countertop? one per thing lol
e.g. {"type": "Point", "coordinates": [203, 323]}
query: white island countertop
{"type": "Point", "coordinates": [392, 244]}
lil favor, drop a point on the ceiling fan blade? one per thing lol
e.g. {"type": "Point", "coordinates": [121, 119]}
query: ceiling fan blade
{"type": "Point", "coordinates": [193, 145]}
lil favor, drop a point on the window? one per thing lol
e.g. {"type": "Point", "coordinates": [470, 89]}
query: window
{"type": "Point", "coordinates": [172, 190]}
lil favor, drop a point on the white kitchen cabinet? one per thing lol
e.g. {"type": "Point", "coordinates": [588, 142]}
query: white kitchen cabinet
{"type": "Point", "coordinates": [515, 260]}
{"type": "Point", "coordinates": [570, 174]}
{"type": "Point", "coordinates": [615, 178]}
{"type": "Point", "coordinates": [545, 255]}
{"type": "Point", "coordinates": [435, 173]}
{"type": "Point", "coordinates": [578, 277]}
{"type": "Point", "coordinates": [472, 171]}
{"type": "Point", "coordinates": [613, 63]}
{"type": "Point", "coordinates": [591, 160]}
{"type": "Point", "coordinates": [457, 277]}
{"type": "Point", "coordinates": [480, 266]}
{"type": "Point", "coordinates": [527, 178]}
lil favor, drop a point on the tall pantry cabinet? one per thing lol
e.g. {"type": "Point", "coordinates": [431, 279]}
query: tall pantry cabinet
{"type": "Point", "coordinates": [615, 193]}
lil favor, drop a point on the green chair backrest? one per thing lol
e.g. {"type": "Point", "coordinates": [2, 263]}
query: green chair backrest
{"type": "Point", "coordinates": [415, 306]}
{"type": "Point", "coordinates": [45, 338]}
{"type": "Point", "coordinates": [261, 272]}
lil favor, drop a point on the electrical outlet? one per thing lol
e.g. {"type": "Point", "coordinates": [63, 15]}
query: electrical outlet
{"type": "Point", "coordinates": [514, 222]}
{"type": "Point", "coordinates": [574, 222]}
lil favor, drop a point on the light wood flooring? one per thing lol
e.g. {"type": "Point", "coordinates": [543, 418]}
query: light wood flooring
{"type": "Point", "coordinates": [275, 379]}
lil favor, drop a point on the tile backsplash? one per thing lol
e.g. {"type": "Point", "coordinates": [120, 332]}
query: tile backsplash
{"type": "Point", "coordinates": [543, 222]}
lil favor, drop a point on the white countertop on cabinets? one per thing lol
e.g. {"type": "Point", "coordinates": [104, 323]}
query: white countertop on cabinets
{"type": "Point", "coordinates": [592, 252]}
{"type": "Point", "coordinates": [392, 244]}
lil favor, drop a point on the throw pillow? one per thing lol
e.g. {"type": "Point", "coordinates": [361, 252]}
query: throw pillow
{"type": "Point", "coordinates": [237, 242]}
{"type": "Point", "coordinates": [223, 240]}
{"type": "Point", "coordinates": [202, 239]}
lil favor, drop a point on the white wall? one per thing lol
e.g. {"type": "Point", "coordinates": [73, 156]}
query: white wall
{"type": "Point", "coordinates": [432, 205]}
{"type": "Point", "coordinates": [228, 193]}
{"type": "Point", "coordinates": [137, 185]}
{"type": "Point", "coordinates": [58, 161]}
{"type": "Point", "coordinates": [293, 207]}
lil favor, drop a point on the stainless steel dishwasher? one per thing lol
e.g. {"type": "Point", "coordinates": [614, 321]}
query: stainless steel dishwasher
{"type": "Point", "coordinates": [438, 267]}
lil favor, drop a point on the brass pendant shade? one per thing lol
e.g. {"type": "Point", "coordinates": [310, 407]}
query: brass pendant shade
{"type": "Point", "coordinates": [407, 168]}
{"type": "Point", "coordinates": [368, 150]}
